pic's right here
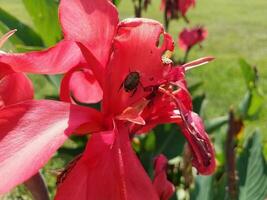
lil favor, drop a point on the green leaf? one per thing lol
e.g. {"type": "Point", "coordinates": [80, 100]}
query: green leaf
{"type": "Point", "coordinates": [216, 123]}
{"type": "Point", "coordinates": [249, 73]}
{"type": "Point", "coordinates": [198, 103]}
{"type": "Point", "coordinates": [252, 170]}
{"type": "Point", "coordinates": [24, 33]}
{"type": "Point", "coordinates": [55, 80]}
{"type": "Point", "coordinates": [210, 187]}
{"type": "Point", "coordinates": [150, 142]}
{"type": "Point", "coordinates": [116, 2]}
{"type": "Point", "coordinates": [251, 105]}
{"type": "Point", "coordinates": [44, 14]}
{"type": "Point", "coordinates": [203, 188]}
{"type": "Point", "coordinates": [169, 140]}
{"type": "Point", "coordinates": [12, 41]}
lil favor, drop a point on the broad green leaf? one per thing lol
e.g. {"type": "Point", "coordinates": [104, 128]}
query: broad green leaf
{"type": "Point", "coordinates": [198, 102]}
{"type": "Point", "coordinates": [150, 142]}
{"type": "Point", "coordinates": [255, 103]}
{"type": "Point", "coordinates": [24, 32]}
{"type": "Point", "coordinates": [23, 48]}
{"type": "Point", "coordinates": [252, 170]}
{"type": "Point", "coordinates": [169, 141]}
{"type": "Point", "coordinates": [210, 187]}
{"type": "Point", "coordinates": [251, 105]}
{"type": "Point", "coordinates": [215, 123]}
{"type": "Point", "coordinates": [203, 188]}
{"type": "Point", "coordinates": [116, 2]}
{"type": "Point", "coordinates": [44, 14]}
{"type": "Point", "coordinates": [248, 73]}
{"type": "Point", "coordinates": [55, 80]}
{"type": "Point", "coordinates": [12, 41]}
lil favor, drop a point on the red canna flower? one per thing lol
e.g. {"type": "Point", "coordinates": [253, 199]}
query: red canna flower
{"type": "Point", "coordinates": [121, 62]}
{"type": "Point", "coordinates": [14, 86]}
{"type": "Point", "coordinates": [190, 37]}
{"type": "Point", "coordinates": [176, 8]}
{"type": "Point", "coordinates": [184, 5]}
{"type": "Point", "coordinates": [164, 188]}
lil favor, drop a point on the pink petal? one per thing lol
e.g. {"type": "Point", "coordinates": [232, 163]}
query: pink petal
{"type": "Point", "coordinates": [82, 85]}
{"type": "Point", "coordinates": [164, 187]}
{"type": "Point", "coordinates": [109, 169]}
{"type": "Point", "coordinates": [190, 37]}
{"type": "Point", "coordinates": [198, 139]}
{"type": "Point", "coordinates": [58, 59]}
{"type": "Point", "coordinates": [184, 5]}
{"type": "Point", "coordinates": [92, 23]}
{"type": "Point", "coordinates": [135, 50]}
{"type": "Point", "coordinates": [5, 37]}
{"type": "Point", "coordinates": [14, 88]}
{"type": "Point", "coordinates": [30, 134]}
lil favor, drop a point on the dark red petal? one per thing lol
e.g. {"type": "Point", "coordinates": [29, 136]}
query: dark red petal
{"type": "Point", "coordinates": [190, 37]}
{"type": "Point", "coordinates": [55, 60]}
{"type": "Point", "coordinates": [198, 139]}
{"type": "Point", "coordinates": [31, 132]}
{"type": "Point", "coordinates": [82, 85]}
{"type": "Point", "coordinates": [184, 5]}
{"type": "Point", "coordinates": [14, 88]}
{"type": "Point", "coordinates": [136, 49]}
{"type": "Point", "coordinates": [92, 23]}
{"type": "Point", "coordinates": [165, 188]}
{"type": "Point", "coordinates": [109, 169]}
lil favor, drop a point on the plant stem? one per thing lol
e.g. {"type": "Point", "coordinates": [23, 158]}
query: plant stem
{"type": "Point", "coordinates": [233, 129]}
{"type": "Point", "coordinates": [138, 8]}
{"type": "Point", "coordinates": [186, 55]}
{"type": "Point", "coordinates": [36, 185]}
{"type": "Point", "coordinates": [166, 19]}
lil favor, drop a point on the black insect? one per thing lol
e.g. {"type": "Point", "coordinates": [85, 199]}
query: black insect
{"type": "Point", "coordinates": [131, 82]}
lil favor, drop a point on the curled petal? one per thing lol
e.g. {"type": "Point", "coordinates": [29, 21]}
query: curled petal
{"type": "Point", "coordinates": [82, 85]}
{"type": "Point", "coordinates": [55, 60]}
{"type": "Point", "coordinates": [133, 113]}
{"type": "Point", "coordinates": [198, 62]}
{"type": "Point", "coordinates": [202, 149]}
{"type": "Point", "coordinates": [164, 188]}
{"type": "Point", "coordinates": [14, 88]}
{"type": "Point", "coordinates": [109, 169]}
{"type": "Point", "coordinates": [31, 132]}
{"type": "Point", "coordinates": [5, 37]}
{"type": "Point", "coordinates": [137, 48]}
{"type": "Point", "coordinates": [92, 23]}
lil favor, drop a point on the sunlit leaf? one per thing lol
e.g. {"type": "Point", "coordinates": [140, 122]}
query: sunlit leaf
{"type": "Point", "coordinates": [44, 14]}
{"type": "Point", "coordinates": [252, 170]}
{"type": "Point", "coordinates": [251, 105]}
{"type": "Point", "coordinates": [203, 188]}
{"type": "Point", "coordinates": [24, 32]}
{"type": "Point", "coordinates": [215, 123]}
{"type": "Point", "coordinates": [12, 40]}
{"type": "Point", "coordinates": [116, 2]}
{"type": "Point", "coordinates": [55, 80]}
{"type": "Point", "coordinates": [249, 73]}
